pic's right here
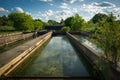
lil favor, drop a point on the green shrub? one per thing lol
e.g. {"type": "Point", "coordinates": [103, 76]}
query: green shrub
{"type": "Point", "coordinates": [7, 28]}
{"type": "Point", "coordinates": [66, 29]}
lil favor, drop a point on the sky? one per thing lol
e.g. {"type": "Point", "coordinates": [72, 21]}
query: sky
{"type": "Point", "coordinates": [60, 9]}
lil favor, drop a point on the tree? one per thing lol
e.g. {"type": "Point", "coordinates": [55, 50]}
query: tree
{"type": "Point", "coordinates": [62, 22]}
{"type": "Point", "coordinates": [4, 21]}
{"type": "Point", "coordinates": [94, 25]}
{"type": "Point", "coordinates": [21, 21]}
{"type": "Point", "coordinates": [68, 21]}
{"type": "Point", "coordinates": [52, 22]}
{"type": "Point", "coordinates": [38, 25]}
{"type": "Point", "coordinates": [98, 17]}
{"type": "Point", "coordinates": [109, 38]}
{"type": "Point", "coordinates": [77, 22]}
{"type": "Point", "coordinates": [66, 29]}
{"type": "Point", "coordinates": [90, 27]}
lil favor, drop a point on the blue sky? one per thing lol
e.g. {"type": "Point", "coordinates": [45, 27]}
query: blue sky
{"type": "Point", "coordinates": [60, 9]}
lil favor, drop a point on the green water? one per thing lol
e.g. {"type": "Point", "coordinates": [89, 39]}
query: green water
{"type": "Point", "coordinates": [57, 58]}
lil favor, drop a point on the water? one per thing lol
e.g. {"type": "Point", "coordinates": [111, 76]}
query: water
{"type": "Point", "coordinates": [57, 58]}
{"type": "Point", "coordinates": [88, 43]}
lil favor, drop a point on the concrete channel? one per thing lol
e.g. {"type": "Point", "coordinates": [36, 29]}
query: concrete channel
{"type": "Point", "coordinates": [71, 65]}
{"type": "Point", "coordinates": [11, 64]}
{"type": "Point", "coordinates": [24, 51]}
{"type": "Point", "coordinates": [57, 60]}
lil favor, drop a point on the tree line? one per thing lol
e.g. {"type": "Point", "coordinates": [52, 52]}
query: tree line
{"type": "Point", "coordinates": [24, 22]}
{"type": "Point", "coordinates": [20, 22]}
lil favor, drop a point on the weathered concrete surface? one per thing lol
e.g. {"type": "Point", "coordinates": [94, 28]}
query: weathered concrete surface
{"type": "Point", "coordinates": [92, 56]}
{"type": "Point", "coordinates": [12, 58]}
{"type": "Point", "coordinates": [10, 38]}
{"type": "Point", "coordinates": [88, 52]}
{"type": "Point", "coordinates": [10, 34]}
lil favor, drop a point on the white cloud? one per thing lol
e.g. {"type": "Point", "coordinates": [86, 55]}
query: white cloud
{"type": "Point", "coordinates": [56, 15]}
{"type": "Point", "coordinates": [103, 7]}
{"type": "Point", "coordinates": [51, 4]}
{"type": "Point", "coordinates": [64, 6]}
{"type": "Point", "coordinates": [28, 13]}
{"type": "Point", "coordinates": [46, 0]}
{"type": "Point", "coordinates": [72, 1]}
{"type": "Point", "coordinates": [17, 9]}
{"type": "Point", "coordinates": [75, 10]}
{"type": "Point", "coordinates": [95, 7]}
{"type": "Point", "coordinates": [104, 4]}
{"type": "Point", "coordinates": [81, 0]}
{"type": "Point", "coordinates": [116, 12]}
{"type": "Point", "coordinates": [49, 13]}
{"type": "Point", "coordinates": [46, 15]}
{"type": "Point", "coordinates": [87, 18]}
{"type": "Point", "coordinates": [89, 9]}
{"type": "Point", "coordinates": [2, 9]}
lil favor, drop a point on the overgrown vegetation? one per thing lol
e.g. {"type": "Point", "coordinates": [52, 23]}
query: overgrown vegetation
{"type": "Point", "coordinates": [6, 28]}
{"type": "Point", "coordinates": [66, 29]}
{"type": "Point", "coordinates": [75, 22]}
{"type": "Point", "coordinates": [108, 37]}
{"type": "Point", "coordinates": [103, 67]}
{"type": "Point", "coordinates": [19, 22]}
{"type": "Point", "coordinates": [93, 24]}
{"type": "Point", "coordinates": [38, 24]}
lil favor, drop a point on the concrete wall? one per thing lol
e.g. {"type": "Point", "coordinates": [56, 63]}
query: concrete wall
{"type": "Point", "coordinates": [80, 33]}
{"type": "Point", "coordinates": [5, 70]}
{"type": "Point", "coordinates": [92, 56]}
{"type": "Point", "coordinates": [10, 38]}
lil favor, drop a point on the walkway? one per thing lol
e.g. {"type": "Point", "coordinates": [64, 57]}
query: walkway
{"type": "Point", "coordinates": [11, 54]}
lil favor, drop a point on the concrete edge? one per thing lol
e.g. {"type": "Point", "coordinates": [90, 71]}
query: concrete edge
{"type": "Point", "coordinates": [88, 52]}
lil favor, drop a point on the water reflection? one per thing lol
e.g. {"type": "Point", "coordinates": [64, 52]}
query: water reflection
{"type": "Point", "coordinates": [88, 43]}
{"type": "Point", "coordinates": [58, 58]}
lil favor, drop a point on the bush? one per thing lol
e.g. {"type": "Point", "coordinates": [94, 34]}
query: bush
{"type": "Point", "coordinates": [66, 29]}
{"type": "Point", "coordinates": [7, 28]}
{"type": "Point", "coordinates": [22, 21]}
